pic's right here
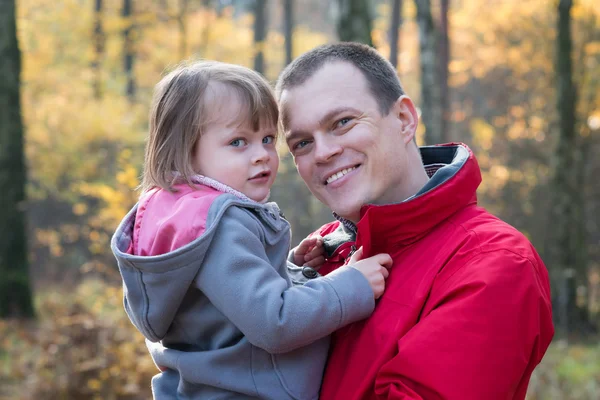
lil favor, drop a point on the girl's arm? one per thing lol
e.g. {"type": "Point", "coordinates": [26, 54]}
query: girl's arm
{"type": "Point", "coordinates": [240, 281]}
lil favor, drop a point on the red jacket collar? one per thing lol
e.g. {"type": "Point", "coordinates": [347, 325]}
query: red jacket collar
{"type": "Point", "coordinates": [382, 227]}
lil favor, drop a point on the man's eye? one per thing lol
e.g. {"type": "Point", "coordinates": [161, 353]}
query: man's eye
{"type": "Point", "coordinates": [237, 142]}
{"type": "Point", "coordinates": [300, 144]}
{"type": "Point", "coordinates": [268, 139]}
{"type": "Point", "coordinates": [343, 122]}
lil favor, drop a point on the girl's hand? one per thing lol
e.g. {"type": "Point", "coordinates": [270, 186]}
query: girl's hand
{"type": "Point", "coordinates": [310, 252]}
{"type": "Point", "coordinates": [374, 268]}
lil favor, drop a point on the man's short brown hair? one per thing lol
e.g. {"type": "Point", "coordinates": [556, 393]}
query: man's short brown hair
{"type": "Point", "coordinates": [381, 76]}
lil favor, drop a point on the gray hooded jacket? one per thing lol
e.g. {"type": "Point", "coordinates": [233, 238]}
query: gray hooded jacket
{"type": "Point", "coordinates": [222, 315]}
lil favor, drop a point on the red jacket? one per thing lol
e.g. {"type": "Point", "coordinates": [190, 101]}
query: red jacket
{"type": "Point", "coordinates": [466, 313]}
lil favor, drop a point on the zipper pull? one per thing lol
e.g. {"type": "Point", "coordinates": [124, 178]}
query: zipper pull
{"type": "Point", "coordinates": [352, 251]}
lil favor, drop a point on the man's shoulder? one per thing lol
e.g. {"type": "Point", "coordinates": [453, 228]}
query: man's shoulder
{"type": "Point", "coordinates": [492, 234]}
{"type": "Point", "coordinates": [485, 247]}
{"type": "Point", "coordinates": [494, 254]}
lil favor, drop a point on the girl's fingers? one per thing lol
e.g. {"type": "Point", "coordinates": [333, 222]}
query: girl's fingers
{"type": "Point", "coordinates": [316, 262]}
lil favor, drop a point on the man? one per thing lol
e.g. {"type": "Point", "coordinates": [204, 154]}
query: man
{"type": "Point", "coordinates": [466, 313]}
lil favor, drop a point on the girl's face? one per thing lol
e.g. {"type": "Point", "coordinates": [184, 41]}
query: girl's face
{"type": "Point", "coordinates": [236, 155]}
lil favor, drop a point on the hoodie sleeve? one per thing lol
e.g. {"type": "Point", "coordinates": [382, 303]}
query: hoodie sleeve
{"type": "Point", "coordinates": [239, 280]}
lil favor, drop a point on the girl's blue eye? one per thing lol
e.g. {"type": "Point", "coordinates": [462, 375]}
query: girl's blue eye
{"type": "Point", "coordinates": [268, 139]}
{"type": "Point", "coordinates": [237, 142]}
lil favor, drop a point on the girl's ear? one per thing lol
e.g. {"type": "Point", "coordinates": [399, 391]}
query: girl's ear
{"type": "Point", "coordinates": [405, 110]}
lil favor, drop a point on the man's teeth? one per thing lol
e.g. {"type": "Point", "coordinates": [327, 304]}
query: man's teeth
{"type": "Point", "coordinates": [337, 176]}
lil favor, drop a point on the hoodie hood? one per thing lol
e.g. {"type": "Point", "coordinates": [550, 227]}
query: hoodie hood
{"type": "Point", "coordinates": [154, 287]}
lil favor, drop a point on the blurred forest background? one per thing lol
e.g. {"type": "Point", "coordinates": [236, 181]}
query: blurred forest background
{"type": "Point", "coordinates": [517, 80]}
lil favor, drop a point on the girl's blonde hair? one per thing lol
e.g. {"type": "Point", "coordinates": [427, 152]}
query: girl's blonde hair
{"type": "Point", "coordinates": [180, 113]}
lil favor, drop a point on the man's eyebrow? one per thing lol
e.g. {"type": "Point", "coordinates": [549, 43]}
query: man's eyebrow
{"type": "Point", "coordinates": [323, 121]}
{"type": "Point", "coordinates": [333, 113]}
{"type": "Point", "coordinates": [283, 115]}
{"type": "Point", "coordinates": [295, 135]}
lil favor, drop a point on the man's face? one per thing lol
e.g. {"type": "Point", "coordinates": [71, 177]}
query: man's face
{"type": "Point", "coordinates": [348, 154]}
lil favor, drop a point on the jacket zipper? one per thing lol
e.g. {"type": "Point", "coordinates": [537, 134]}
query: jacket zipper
{"type": "Point", "coordinates": [352, 251]}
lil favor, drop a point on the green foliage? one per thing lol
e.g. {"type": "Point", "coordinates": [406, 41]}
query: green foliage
{"type": "Point", "coordinates": [567, 372]}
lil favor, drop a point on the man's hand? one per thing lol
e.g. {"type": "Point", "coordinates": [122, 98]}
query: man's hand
{"type": "Point", "coordinates": [310, 252]}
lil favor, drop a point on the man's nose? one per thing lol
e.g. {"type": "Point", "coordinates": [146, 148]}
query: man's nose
{"type": "Point", "coordinates": [326, 148]}
{"type": "Point", "coordinates": [260, 155]}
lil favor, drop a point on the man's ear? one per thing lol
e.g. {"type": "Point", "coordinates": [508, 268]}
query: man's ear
{"type": "Point", "coordinates": [404, 109]}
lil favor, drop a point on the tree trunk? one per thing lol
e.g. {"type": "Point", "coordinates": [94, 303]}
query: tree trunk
{"type": "Point", "coordinates": [395, 25]}
{"type": "Point", "coordinates": [288, 29]}
{"type": "Point", "coordinates": [163, 10]}
{"type": "Point", "coordinates": [99, 39]}
{"type": "Point", "coordinates": [443, 73]}
{"type": "Point", "coordinates": [206, 27]}
{"type": "Point", "coordinates": [562, 249]}
{"type": "Point", "coordinates": [431, 109]}
{"type": "Point", "coordinates": [260, 33]}
{"type": "Point", "coordinates": [15, 291]}
{"type": "Point", "coordinates": [355, 21]}
{"type": "Point", "coordinates": [128, 54]}
{"type": "Point", "coordinates": [589, 133]}
{"type": "Point", "coordinates": [182, 24]}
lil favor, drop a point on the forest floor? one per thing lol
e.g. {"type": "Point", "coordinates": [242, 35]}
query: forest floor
{"type": "Point", "coordinates": [82, 346]}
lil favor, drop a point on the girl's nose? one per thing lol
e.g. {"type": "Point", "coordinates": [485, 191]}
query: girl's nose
{"type": "Point", "coordinates": [261, 155]}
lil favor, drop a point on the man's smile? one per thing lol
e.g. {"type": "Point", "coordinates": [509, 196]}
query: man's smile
{"type": "Point", "coordinates": [333, 177]}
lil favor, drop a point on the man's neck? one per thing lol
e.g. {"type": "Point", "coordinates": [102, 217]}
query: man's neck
{"type": "Point", "coordinates": [415, 181]}
{"type": "Point", "coordinates": [410, 186]}
{"type": "Point", "coordinates": [415, 178]}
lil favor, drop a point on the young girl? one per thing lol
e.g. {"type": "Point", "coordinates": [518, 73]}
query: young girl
{"type": "Point", "coordinates": [203, 255]}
